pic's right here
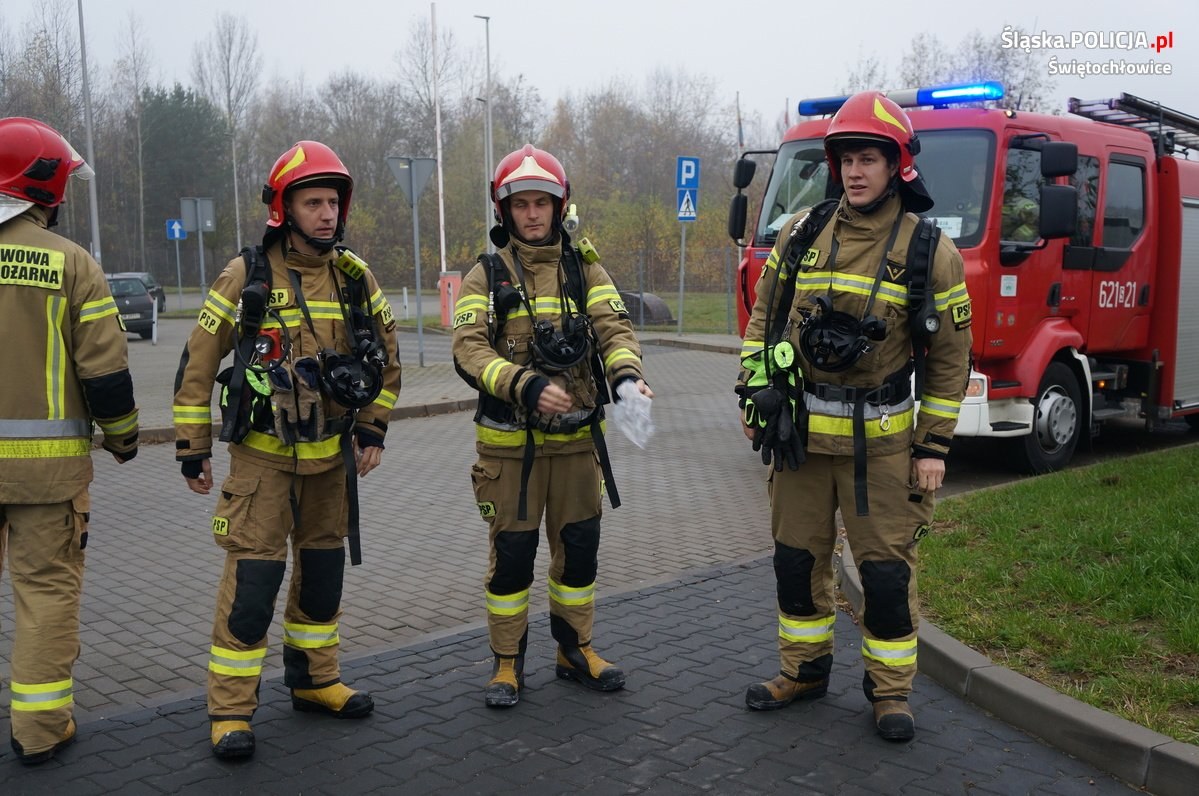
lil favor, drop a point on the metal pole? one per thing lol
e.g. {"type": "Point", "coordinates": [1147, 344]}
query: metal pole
{"type": "Point", "coordinates": [641, 290]}
{"type": "Point", "coordinates": [488, 149]}
{"type": "Point", "coordinates": [236, 197]}
{"type": "Point", "coordinates": [94, 202]}
{"type": "Point", "coordinates": [682, 261]}
{"type": "Point", "coordinates": [437, 126]}
{"type": "Point", "coordinates": [178, 273]}
{"type": "Point", "coordinates": [486, 184]}
{"type": "Point", "coordinates": [420, 316]}
{"type": "Point", "coordinates": [200, 230]}
{"type": "Point", "coordinates": [728, 290]}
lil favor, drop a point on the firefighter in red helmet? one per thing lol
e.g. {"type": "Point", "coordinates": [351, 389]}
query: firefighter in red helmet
{"type": "Point", "coordinates": [66, 367]}
{"type": "Point", "coordinates": [540, 331]}
{"type": "Point", "coordinates": [305, 408]}
{"type": "Point", "coordinates": [876, 299]}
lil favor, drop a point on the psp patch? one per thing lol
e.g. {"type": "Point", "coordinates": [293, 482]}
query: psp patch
{"type": "Point", "coordinates": [208, 322]}
{"type": "Point", "coordinates": [809, 258]}
{"type": "Point", "coordinates": [465, 318]}
{"type": "Point", "coordinates": [487, 509]}
{"type": "Point", "coordinates": [617, 305]}
{"type": "Point", "coordinates": [280, 297]}
{"type": "Point", "coordinates": [922, 530]}
{"type": "Point", "coordinates": [220, 526]}
{"type": "Point", "coordinates": [961, 315]}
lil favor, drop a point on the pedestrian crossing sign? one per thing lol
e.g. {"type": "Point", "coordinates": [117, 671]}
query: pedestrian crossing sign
{"type": "Point", "coordinates": [687, 202]}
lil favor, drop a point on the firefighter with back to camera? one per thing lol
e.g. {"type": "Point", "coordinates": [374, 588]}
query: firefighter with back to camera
{"type": "Point", "coordinates": [540, 331]}
{"type": "Point", "coordinates": [868, 295]}
{"type": "Point", "coordinates": [305, 409]}
{"type": "Point", "coordinates": [66, 362]}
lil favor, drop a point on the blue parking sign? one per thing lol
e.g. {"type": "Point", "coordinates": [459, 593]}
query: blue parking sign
{"type": "Point", "coordinates": [687, 173]}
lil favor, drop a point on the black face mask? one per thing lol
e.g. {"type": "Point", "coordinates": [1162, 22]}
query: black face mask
{"type": "Point", "coordinates": [557, 351]}
{"type": "Point", "coordinates": [834, 341]}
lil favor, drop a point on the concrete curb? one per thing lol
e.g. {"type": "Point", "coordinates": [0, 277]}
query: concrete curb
{"type": "Point", "coordinates": [1139, 756]}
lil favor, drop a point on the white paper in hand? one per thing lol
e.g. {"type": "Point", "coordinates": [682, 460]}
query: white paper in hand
{"type": "Point", "coordinates": [631, 414]}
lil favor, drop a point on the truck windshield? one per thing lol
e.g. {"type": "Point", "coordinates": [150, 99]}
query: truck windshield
{"type": "Point", "coordinates": [957, 167]}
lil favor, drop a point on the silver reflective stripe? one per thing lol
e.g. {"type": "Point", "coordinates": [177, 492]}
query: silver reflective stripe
{"type": "Point", "coordinates": [844, 409]}
{"type": "Point", "coordinates": [233, 663]}
{"type": "Point", "coordinates": [46, 696]}
{"type": "Point", "coordinates": [45, 429]}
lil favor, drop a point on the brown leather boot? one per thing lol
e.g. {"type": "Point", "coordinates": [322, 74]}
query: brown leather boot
{"type": "Point", "coordinates": [894, 720]}
{"type": "Point", "coordinates": [584, 665]}
{"type": "Point", "coordinates": [337, 700]}
{"type": "Point", "coordinates": [507, 678]}
{"type": "Point", "coordinates": [782, 691]}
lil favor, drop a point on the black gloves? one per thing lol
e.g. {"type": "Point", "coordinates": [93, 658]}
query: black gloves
{"type": "Point", "coordinates": [775, 433]}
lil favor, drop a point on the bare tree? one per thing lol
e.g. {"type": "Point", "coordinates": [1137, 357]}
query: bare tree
{"type": "Point", "coordinates": [868, 73]}
{"type": "Point", "coordinates": [133, 78]}
{"type": "Point", "coordinates": [225, 67]}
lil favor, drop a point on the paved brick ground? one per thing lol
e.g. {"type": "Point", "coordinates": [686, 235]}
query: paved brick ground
{"type": "Point", "coordinates": [690, 647]}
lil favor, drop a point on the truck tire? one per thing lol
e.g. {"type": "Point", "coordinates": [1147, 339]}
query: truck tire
{"type": "Point", "coordinates": [1057, 422]}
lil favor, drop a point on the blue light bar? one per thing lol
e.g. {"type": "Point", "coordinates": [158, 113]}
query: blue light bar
{"type": "Point", "coordinates": [914, 97]}
{"type": "Point", "coordinates": [966, 92]}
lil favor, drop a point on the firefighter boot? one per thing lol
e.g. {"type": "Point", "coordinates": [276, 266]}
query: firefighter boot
{"type": "Point", "coordinates": [232, 739]}
{"type": "Point", "coordinates": [336, 700]}
{"type": "Point", "coordinates": [782, 691]}
{"type": "Point", "coordinates": [585, 666]}
{"type": "Point", "coordinates": [894, 720]}
{"type": "Point", "coordinates": [36, 758]}
{"type": "Point", "coordinates": [507, 678]}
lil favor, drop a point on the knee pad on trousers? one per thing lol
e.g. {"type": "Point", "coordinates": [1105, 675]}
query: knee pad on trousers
{"type": "Point", "coordinates": [580, 547]}
{"type": "Point", "coordinates": [793, 579]}
{"type": "Point", "coordinates": [254, 599]}
{"type": "Point", "coordinates": [885, 588]}
{"type": "Point", "coordinates": [562, 632]}
{"type": "Point", "coordinates": [321, 573]}
{"type": "Point", "coordinates": [515, 552]}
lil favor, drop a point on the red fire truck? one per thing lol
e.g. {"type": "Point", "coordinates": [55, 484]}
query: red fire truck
{"type": "Point", "coordinates": [1080, 236]}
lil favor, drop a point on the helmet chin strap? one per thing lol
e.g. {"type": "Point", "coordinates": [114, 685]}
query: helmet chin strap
{"type": "Point", "coordinates": [322, 245]}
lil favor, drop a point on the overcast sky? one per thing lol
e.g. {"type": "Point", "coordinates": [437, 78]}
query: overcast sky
{"type": "Point", "coordinates": [770, 52]}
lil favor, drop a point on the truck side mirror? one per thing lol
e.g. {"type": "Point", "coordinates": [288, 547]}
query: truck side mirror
{"type": "Point", "coordinates": [737, 212]}
{"type": "Point", "coordinates": [1058, 159]}
{"type": "Point", "coordinates": [1059, 210]}
{"type": "Point", "coordinates": [743, 173]}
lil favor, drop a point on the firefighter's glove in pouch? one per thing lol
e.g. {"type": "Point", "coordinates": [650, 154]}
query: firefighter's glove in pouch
{"type": "Point", "coordinates": [296, 402]}
{"type": "Point", "coordinates": [775, 434]}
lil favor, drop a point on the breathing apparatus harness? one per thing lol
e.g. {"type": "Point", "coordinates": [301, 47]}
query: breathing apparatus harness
{"type": "Point", "coordinates": [353, 380]}
{"type": "Point", "coordinates": [553, 350]}
{"type": "Point", "coordinates": [834, 341]}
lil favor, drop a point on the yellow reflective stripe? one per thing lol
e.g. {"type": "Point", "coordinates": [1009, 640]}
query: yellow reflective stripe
{"type": "Point", "coordinates": [120, 425]}
{"type": "Point", "coordinates": [378, 301]}
{"type": "Point", "coordinates": [843, 426]}
{"type": "Point", "coordinates": [387, 399]}
{"type": "Point", "coordinates": [301, 450]}
{"type": "Point", "coordinates": [236, 663]}
{"type": "Point", "coordinates": [325, 310]}
{"type": "Point", "coordinates": [941, 407]}
{"type": "Point", "coordinates": [291, 319]}
{"type": "Point", "coordinates": [806, 631]}
{"type": "Point", "coordinates": [217, 310]}
{"type": "Point", "coordinates": [186, 415]}
{"type": "Point", "coordinates": [547, 305]}
{"type": "Point", "coordinates": [95, 310]}
{"type": "Point", "coordinates": [751, 347]}
{"type": "Point", "coordinates": [56, 358]}
{"type": "Point", "coordinates": [44, 448]}
{"type": "Point", "coordinates": [772, 261]}
{"type": "Point", "coordinates": [470, 301]}
{"type": "Point", "coordinates": [310, 637]}
{"type": "Point", "coordinates": [601, 293]}
{"type": "Point", "coordinates": [30, 697]}
{"type": "Point", "coordinates": [508, 604]}
{"type": "Point", "coordinates": [491, 373]}
{"type": "Point", "coordinates": [512, 439]}
{"type": "Point", "coordinates": [618, 355]}
{"type": "Point", "coordinates": [890, 653]}
{"type": "Point", "coordinates": [571, 595]}
{"type": "Point", "coordinates": [954, 295]}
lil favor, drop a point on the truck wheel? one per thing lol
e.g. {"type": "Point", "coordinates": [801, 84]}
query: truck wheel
{"type": "Point", "coordinates": [1193, 422]}
{"type": "Point", "coordinates": [1057, 422]}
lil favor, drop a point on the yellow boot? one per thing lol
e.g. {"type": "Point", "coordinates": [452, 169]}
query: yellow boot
{"type": "Point", "coordinates": [36, 758]}
{"type": "Point", "coordinates": [336, 699]}
{"type": "Point", "coordinates": [232, 739]}
{"type": "Point", "coordinates": [507, 678]}
{"type": "Point", "coordinates": [585, 666]}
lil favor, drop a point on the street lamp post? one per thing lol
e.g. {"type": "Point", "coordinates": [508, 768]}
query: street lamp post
{"type": "Point", "coordinates": [486, 181]}
{"type": "Point", "coordinates": [487, 142]}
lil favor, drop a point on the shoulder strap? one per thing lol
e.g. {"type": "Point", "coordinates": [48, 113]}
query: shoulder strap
{"type": "Point", "coordinates": [235, 423]}
{"type": "Point", "coordinates": [922, 304]}
{"type": "Point", "coordinates": [575, 286]}
{"type": "Point", "coordinates": [800, 240]}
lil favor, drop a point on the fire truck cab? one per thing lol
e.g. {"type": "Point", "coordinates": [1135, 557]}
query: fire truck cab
{"type": "Point", "coordinates": [1080, 238]}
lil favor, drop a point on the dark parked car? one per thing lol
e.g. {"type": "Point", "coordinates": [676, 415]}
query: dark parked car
{"type": "Point", "coordinates": [152, 286]}
{"type": "Point", "coordinates": [135, 304]}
